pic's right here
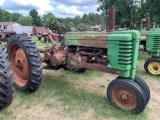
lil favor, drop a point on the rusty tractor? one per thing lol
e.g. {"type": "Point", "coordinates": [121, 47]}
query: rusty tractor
{"type": "Point", "coordinates": [6, 82]}
{"type": "Point", "coordinates": [112, 52]}
{"type": "Point", "coordinates": [45, 34]}
{"type": "Point", "coordinates": [4, 37]}
{"type": "Point", "coordinates": [150, 39]}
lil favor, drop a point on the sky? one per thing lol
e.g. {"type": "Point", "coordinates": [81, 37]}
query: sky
{"type": "Point", "coordinates": [60, 8]}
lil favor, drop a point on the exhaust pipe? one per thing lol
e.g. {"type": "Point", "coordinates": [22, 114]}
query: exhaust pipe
{"type": "Point", "coordinates": [111, 16]}
{"type": "Point", "coordinates": [147, 21]}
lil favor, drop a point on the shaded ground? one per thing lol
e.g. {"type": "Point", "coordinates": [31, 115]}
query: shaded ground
{"type": "Point", "coordinates": [67, 96]}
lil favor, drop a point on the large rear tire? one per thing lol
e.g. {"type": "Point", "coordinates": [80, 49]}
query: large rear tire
{"type": "Point", "coordinates": [26, 63]}
{"type": "Point", "coordinates": [6, 82]}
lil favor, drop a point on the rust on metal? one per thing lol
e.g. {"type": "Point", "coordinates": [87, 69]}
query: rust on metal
{"type": "Point", "coordinates": [58, 58]}
{"type": "Point", "coordinates": [76, 56]}
{"type": "Point", "coordinates": [19, 65]}
{"type": "Point", "coordinates": [111, 15]}
{"type": "Point", "coordinates": [40, 31]}
{"type": "Point", "coordinates": [98, 41]}
{"type": "Point", "coordinates": [91, 54]}
{"type": "Point", "coordinates": [147, 21]}
{"type": "Point", "coordinates": [47, 49]}
{"type": "Point", "coordinates": [98, 67]}
{"type": "Point", "coordinates": [47, 55]}
{"type": "Point", "coordinates": [51, 39]}
{"type": "Point", "coordinates": [124, 98]}
{"type": "Point", "coordinates": [43, 31]}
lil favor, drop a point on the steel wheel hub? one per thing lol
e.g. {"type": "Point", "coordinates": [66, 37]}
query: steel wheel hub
{"type": "Point", "coordinates": [154, 68]}
{"type": "Point", "coordinates": [124, 98]}
{"type": "Point", "coordinates": [19, 65]}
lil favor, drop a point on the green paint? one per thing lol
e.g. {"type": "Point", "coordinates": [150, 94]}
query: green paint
{"type": "Point", "coordinates": [153, 43]}
{"type": "Point", "coordinates": [122, 48]}
{"type": "Point", "coordinates": [125, 53]}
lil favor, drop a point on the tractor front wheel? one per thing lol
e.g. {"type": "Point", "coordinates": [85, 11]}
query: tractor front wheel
{"type": "Point", "coordinates": [143, 85]}
{"type": "Point", "coordinates": [26, 63]}
{"type": "Point", "coordinates": [43, 40]}
{"type": "Point", "coordinates": [152, 66]}
{"type": "Point", "coordinates": [126, 95]}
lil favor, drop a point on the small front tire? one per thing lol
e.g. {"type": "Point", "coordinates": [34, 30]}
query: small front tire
{"type": "Point", "coordinates": [143, 85]}
{"type": "Point", "coordinates": [152, 66]}
{"type": "Point", "coordinates": [126, 95]}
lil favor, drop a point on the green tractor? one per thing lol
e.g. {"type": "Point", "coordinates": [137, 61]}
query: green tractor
{"type": "Point", "coordinates": [112, 52]}
{"type": "Point", "coordinates": [151, 42]}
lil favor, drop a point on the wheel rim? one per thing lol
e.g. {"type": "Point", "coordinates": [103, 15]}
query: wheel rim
{"type": "Point", "coordinates": [124, 98]}
{"type": "Point", "coordinates": [4, 44]}
{"type": "Point", "coordinates": [154, 68]}
{"type": "Point", "coordinates": [42, 39]}
{"type": "Point", "coordinates": [19, 65]}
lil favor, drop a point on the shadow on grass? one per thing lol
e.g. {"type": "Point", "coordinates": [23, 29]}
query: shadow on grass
{"type": "Point", "coordinates": [143, 56]}
{"type": "Point", "coordinates": [75, 102]}
{"type": "Point", "coordinates": [80, 101]}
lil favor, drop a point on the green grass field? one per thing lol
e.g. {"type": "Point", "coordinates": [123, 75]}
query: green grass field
{"type": "Point", "coordinates": [64, 95]}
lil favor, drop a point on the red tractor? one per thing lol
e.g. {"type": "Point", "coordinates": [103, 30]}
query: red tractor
{"type": "Point", "coordinates": [44, 34]}
{"type": "Point", "coordinates": [4, 37]}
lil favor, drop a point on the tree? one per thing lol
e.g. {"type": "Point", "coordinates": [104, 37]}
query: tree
{"type": "Point", "coordinates": [5, 16]}
{"type": "Point", "coordinates": [48, 20]}
{"type": "Point", "coordinates": [82, 25]}
{"type": "Point", "coordinates": [152, 7]}
{"type": "Point", "coordinates": [27, 21]}
{"type": "Point", "coordinates": [76, 20]}
{"type": "Point", "coordinates": [105, 4]}
{"type": "Point", "coordinates": [15, 17]}
{"type": "Point", "coordinates": [70, 24]}
{"type": "Point", "coordinates": [36, 18]}
{"type": "Point", "coordinates": [126, 11]}
{"type": "Point", "coordinates": [85, 19]}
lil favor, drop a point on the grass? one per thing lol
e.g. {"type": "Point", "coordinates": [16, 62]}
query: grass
{"type": "Point", "coordinates": [64, 95]}
{"type": "Point", "coordinates": [39, 43]}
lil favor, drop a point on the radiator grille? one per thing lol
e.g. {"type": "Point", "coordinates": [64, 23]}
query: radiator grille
{"type": "Point", "coordinates": [125, 52]}
{"type": "Point", "coordinates": [156, 42]}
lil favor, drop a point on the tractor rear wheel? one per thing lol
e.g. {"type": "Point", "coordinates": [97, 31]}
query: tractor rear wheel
{"type": "Point", "coordinates": [4, 42]}
{"type": "Point", "coordinates": [126, 95]}
{"type": "Point", "coordinates": [6, 83]}
{"type": "Point", "coordinates": [152, 66]}
{"type": "Point", "coordinates": [26, 63]}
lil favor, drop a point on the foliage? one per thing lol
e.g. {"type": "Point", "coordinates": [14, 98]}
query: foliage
{"type": "Point", "coordinates": [5, 16]}
{"type": "Point", "coordinates": [128, 12]}
{"type": "Point", "coordinates": [152, 7]}
{"type": "Point", "coordinates": [36, 18]}
{"type": "Point", "coordinates": [27, 21]}
{"type": "Point", "coordinates": [48, 20]}
{"type": "Point", "coordinates": [15, 17]}
{"type": "Point", "coordinates": [77, 19]}
{"type": "Point", "coordinates": [82, 25]}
